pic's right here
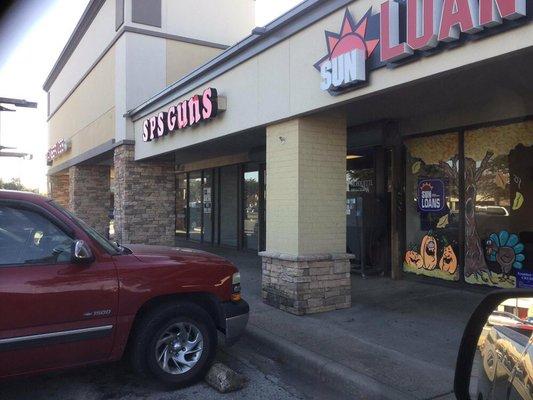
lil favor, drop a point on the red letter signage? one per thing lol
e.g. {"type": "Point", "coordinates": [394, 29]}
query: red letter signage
{"type": "Point", "coordinates": [458, 16]}
{"type": "Point", "coordinates": [402, 28]}
{"type": "Point", "coordinates": [423, 21]}
{"type": "Point", "coordinates": [491, 12]}
{"type": "Point", "coordinates": [391, 48]}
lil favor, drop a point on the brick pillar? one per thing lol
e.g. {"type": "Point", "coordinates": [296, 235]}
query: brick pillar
{"type": "Point", "coordinates": [305, 265]}
{"type": "Point", "coordinates": [59, 189]}
{"type": "Point", "coordinates": [90, 194]}
{"type": "Point", "coordinates": [145, 211]}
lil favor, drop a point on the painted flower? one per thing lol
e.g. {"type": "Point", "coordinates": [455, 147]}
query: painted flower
{"type": "Point", "coordinates": [506, 250]}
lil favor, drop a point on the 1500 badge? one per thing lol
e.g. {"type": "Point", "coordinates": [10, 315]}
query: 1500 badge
{"type": "Point", "coordinates": [97, 313]}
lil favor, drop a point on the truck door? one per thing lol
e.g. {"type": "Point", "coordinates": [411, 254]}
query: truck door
{"type": "Point", "coordinates": [53, 312]}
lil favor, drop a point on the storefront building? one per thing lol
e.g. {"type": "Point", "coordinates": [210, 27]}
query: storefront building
{"type": "Point", "coordinates": [368, 136]}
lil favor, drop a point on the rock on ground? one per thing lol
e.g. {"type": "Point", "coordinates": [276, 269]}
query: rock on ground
{"type": "Point", "coordinates": [224, 379]}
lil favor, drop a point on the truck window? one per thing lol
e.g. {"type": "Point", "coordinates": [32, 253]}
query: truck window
{"type": "Point", "coordinates": [107, 245]}
{"type": "Point", "coordinates": [27, 237]}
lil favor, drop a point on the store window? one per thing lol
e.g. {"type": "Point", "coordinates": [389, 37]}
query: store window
{"type": "Point", "coordinates": [195, 206]}
{"type": "Point", "coordinates": [181, 205]}
{"type": "Point", "coordinates": [223, 206]}
{"type": "Point", "coordinates": [432, 206]}
{"type": "Point", "coordinates": [499, 205]}
{"type": "Point", "coordinates": [229, 205]}
{"type": "Point", "coordinates": [251, 208]}
{"type": "Point", "coordinates": [208, 194]}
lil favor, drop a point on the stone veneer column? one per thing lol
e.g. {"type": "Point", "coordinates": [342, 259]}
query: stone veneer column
{"type": "Point", "coordinates": [145, 203]}
{"type": "Point", "coordinates": [89, 195]}
{"type": "Point", "coordinates": [59, 188]}
{"type": "Point", "coordinates": [305, 265]}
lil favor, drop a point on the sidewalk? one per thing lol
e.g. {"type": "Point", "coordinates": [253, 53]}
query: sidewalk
{"type": "Point", "coordinates": [398, 340]}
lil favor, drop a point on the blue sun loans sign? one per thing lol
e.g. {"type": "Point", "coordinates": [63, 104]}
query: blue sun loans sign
{"type": "Point", "coordinates": [431, 195]}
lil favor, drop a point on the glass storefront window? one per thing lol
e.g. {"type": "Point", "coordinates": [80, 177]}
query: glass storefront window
{"type": "Point", "coordinates": [229, 205]}
{"type": "Point", "coordinates": [195, 206]}
{"type": "Point", "coordinates": [432, 206]}
{"type": "Point", "coordinates": [251, 209]}
{"type": "Point", "coordinates": [498, 205]}
{"type": "Point", "coordinates": [208, 193]}
{"type": "Point", "coordinates": [222, 205]}
{"type": "Point", "coordinates": [181, 204]}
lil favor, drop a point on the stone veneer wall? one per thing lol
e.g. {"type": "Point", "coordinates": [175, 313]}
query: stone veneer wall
{"type": "Point", "coordinates": [145, 211]}
{"type": "Point", "coordinates": [59, 189]}
{"type": "Point", "coordinates": [89, 195]}
{"type": "Point", "coordinates": [306, 284]}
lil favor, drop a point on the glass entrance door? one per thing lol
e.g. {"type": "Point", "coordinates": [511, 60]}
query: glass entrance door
{"type": "Point", "coordinates": [251, 210]}
{"type": "Point", "coordinates": [195, 206]}
{"type": "Point", "coordinates": [367, 209]}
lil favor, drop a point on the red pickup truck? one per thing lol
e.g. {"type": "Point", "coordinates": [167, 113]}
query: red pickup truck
{"type": "Point", "coordinates": [70, 297]}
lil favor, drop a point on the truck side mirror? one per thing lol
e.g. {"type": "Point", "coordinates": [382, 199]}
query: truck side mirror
{"type": "Point", "coordinates": [81, 253]}
{"type": "Point", "coordinates": [496, 354]}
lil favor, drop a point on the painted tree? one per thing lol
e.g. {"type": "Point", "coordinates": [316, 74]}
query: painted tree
{"type": "Point", "coordinates": [475, 262]}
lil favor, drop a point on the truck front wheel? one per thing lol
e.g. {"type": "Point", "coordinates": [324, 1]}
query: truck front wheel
{"type": "Point", "coordinates": [175, 343]}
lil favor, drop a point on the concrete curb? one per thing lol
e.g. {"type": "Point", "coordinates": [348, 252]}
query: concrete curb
{"type": "Point", "coordinates": [330, 372]}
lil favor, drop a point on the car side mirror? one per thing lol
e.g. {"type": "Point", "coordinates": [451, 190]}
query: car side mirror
{"type": "Point", "coordinates": [82, 253]}
{"type": "Point", "coordinates": [495, 359]}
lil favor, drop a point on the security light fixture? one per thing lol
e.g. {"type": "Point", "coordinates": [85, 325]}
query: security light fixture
{"type": "Point", "coordinates": [353, 157]}
{"type": "Point", "coordinates": [259, 30]}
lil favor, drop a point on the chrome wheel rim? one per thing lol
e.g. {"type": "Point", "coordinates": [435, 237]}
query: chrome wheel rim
{"type": "Point", "coordinates": [179, 348]}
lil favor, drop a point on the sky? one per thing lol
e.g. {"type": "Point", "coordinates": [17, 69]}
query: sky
{"type": "Point", "coordinates": [25, 65]}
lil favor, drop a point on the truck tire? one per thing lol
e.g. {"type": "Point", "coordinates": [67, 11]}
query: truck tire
{"type": "Point", "coordinates": [175, 343]}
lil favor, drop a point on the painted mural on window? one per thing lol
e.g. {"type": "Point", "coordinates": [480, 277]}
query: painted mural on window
{"type": "Point", "coordinates": [498, 206]}
{"type": "Point", "coordinates": [432, 210]}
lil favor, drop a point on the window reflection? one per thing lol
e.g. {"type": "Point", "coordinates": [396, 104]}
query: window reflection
{"type": "Point", "coordinates": [195, 205]}
{"type": "Point", "coordinates": [503, 366]}
{"type": "Point", "coordinates": [251, 209]}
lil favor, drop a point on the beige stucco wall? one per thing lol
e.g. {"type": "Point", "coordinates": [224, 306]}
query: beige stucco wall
{"type": "Point", "coordinates": [306, 190]}
{"type": "Point", "coordinates": [98, 36]}
{"type": "Point", "coordinates": [182, 58]}
{"type": "Point", "coordinates": [87, 118]}
{"type": "Point", "coordinates": [281, 82]}
{"type": "Point", "coordinates": [223, 22]}
{"type": "Point", "coordinates": [219, 21]}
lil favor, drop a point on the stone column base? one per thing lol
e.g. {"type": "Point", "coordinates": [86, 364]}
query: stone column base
{"type": "Point", "coordinates": [306, 284]}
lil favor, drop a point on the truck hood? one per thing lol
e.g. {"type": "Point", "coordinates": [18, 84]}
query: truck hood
{"type": "Point", "coordinates": [147, 253]}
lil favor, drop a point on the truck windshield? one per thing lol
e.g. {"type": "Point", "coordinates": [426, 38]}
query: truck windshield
{"type": "Point", "coordinates": [108, 246]}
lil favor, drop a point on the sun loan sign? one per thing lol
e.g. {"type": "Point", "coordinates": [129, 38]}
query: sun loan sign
{"type": "Point", "coordinates": [402, 30]}
{"type": "Point", "coordinates": [431, 195]}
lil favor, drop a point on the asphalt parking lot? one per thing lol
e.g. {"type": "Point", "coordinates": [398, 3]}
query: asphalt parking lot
{"type": "Point", "coordinates": [117, 382]}
{"type": "Point", "coordinates": [267, 379]}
